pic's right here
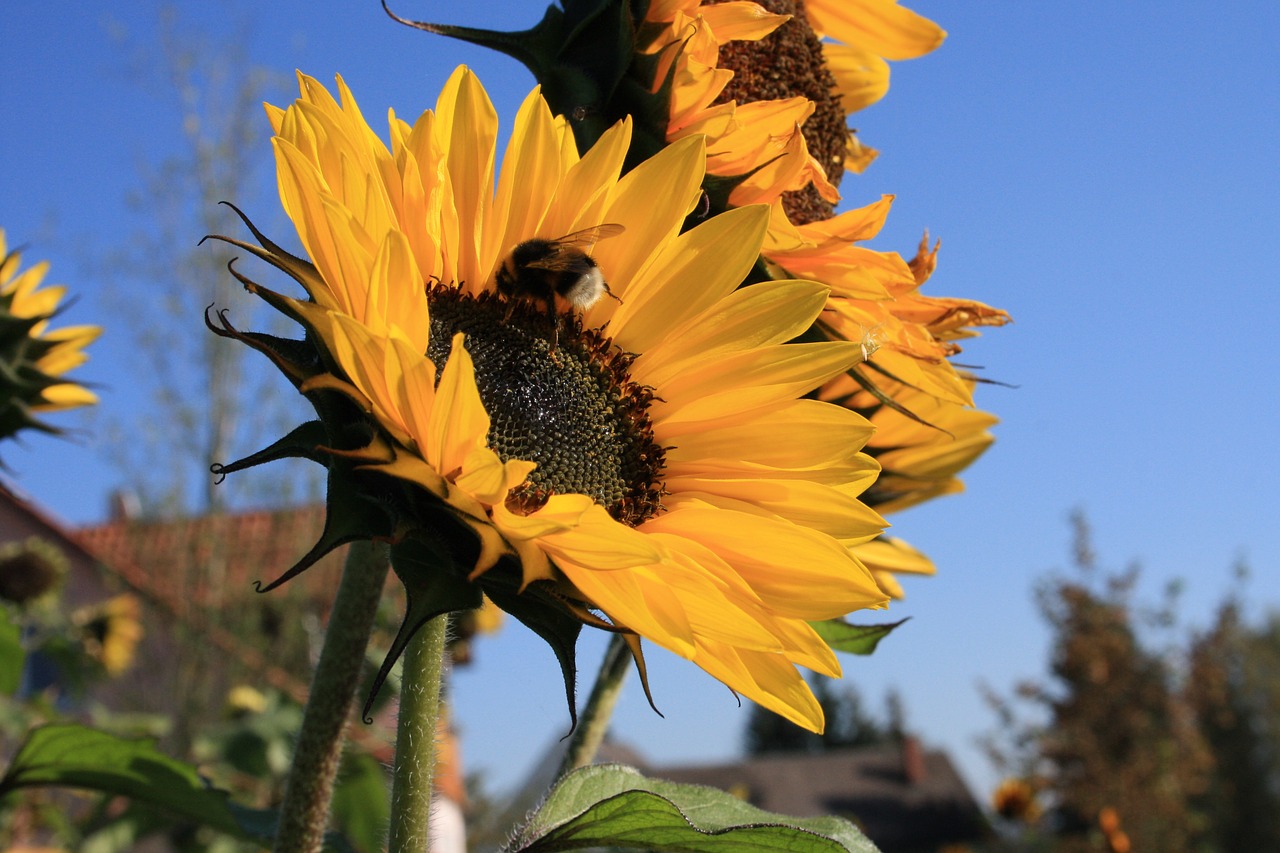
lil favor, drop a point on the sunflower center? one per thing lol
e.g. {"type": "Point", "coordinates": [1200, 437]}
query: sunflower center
{"type": "Point", "coordinates": [558, 395]}
{"type": "Point", "coordinates": [786, 63]}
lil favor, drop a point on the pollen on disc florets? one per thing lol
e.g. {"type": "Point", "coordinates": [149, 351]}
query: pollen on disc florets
{"type": "Point", "coordinates": [560, 397]}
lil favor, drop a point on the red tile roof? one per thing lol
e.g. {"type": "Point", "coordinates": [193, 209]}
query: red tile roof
{"type": "Point", "coordinates": [212, 560]}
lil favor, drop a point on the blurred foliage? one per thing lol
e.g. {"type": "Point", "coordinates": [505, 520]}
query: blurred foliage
{"type": "Point", "coordinates": [1139, 745]}
{"type": "Point", "coordinates": [54, 666]}
{"type": "Point", "coordinates": [1233, 687]}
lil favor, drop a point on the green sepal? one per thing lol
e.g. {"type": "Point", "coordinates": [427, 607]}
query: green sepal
{"type": "Point", "coordinates": [434, 583]}
{"type": "Point", "coordinates": [544, 614]}
{"type": "Point", "coordinates": [15, 331]}
{"type": "Point", "coordinates": [610, 805]}
{"type": "Point", "coordinates": [302, 442]}
{"type": "Point", "coordinates": [15, 416]}
{"type": "Point", "coordinates": [294, 358]}
{"type": "Point", "coordinates": [854, 639]}
{"type": "Point", "coordinates": [349, 517]}
{"type": "Point", "coordinates": [642, 669]}
{"type": "Point", "coordinates": [579, 54]}
{"type": "Point", "coordinates": [885, 400]}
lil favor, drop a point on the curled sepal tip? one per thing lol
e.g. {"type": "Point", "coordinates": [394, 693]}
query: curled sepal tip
{"type": "Point", "coordinates": [580, 54]}
{"type": "Point", "coordinates": [435, 584]}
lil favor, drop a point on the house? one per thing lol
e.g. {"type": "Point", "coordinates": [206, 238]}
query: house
{"type": "Point", "coordinates": [194, 579]}
{"type": "Point", "coordinates": [906, 798]}
{"type": "Point", "coordinates": [199, 578]}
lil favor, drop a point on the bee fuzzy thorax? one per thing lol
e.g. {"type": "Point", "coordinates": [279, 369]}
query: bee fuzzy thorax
{"type": "Point", "coordinates": [586, 290]}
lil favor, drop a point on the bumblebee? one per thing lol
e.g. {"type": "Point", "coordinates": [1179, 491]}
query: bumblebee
{"type": "Point", "coordinates": [541, 270]}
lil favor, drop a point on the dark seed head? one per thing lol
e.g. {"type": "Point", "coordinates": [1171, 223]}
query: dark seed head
{"type": "Point", "coordinates": [570, 406]}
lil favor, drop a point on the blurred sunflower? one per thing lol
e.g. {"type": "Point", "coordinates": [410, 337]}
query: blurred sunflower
{"type": "Point", "coordinates": [1015, 799]}
{"type": "Point", "coordinates": [111, 631]}
{"type": "Point", "coordinates": [33, 359]}
{"type": "Point", "coordinates": [647, 458]}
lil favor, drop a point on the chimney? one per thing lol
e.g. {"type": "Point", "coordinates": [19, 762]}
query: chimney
{"type": "Point", "coordinates": [123, 505]}
{"type": "Point", "coordinates": [912, 760]}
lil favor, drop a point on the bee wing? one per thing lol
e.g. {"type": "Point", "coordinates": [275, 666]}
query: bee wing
{"type": "Point", "coordinates": [557, 257]}
{"type": "Point", "coordinates": [590, 236]}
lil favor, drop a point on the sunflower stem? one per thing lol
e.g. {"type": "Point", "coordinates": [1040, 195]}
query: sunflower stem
{"type": "Point", "coordinates": [585, 741]}
{"type": "Point", "coordinates": [415, 759]}
{"type": "Point", "coordinates": [304, 813]}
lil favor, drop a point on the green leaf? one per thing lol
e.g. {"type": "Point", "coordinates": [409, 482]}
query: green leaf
{"type": "Point", "coordinates": [11, 653]}
{"type": "Point", "coordinates": [614, 806]}
{"type": "Point", "coordinates": [76, 756]}
{"type": "Point", "coordinates": [361, 804]}
{"type": "Point", "coordinates": [854, 639]}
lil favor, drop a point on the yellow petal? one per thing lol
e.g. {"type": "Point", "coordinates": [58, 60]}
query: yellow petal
{"type": "Point", "coordinates": [881, 26]}
{"type": "Point", "coordinates": [769, 680]}
{"type": "Point", "coordinates": [468, 118]}
{"type": "Point", "coordinates": [661, 299]}
{"type": "Point", "coordinates": [760, 315]}
{"type": "Point", "coordinates": [65, 396]}
{"type": "Point", "coordinates": [741, 21]}
{"type": "Point", "coordinates": [785, 564]}
{"type": "Point", "coordinates": [803, 502]}
{"type": "Point", "coordinates": [459, 422]}
{"type": "Point", "coordinates": [531, 172]}
{"type": "Point", "coordinates": [862, 77]}
{"type": "Point", "coordinates": [742, 382]}
{"type": "Point", "coordinates": [651, 202]}
{"type": "Point", "coordinates": [793, 435]}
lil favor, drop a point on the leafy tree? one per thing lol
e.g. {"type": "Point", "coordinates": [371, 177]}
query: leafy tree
{"type": "Point", "coordinates": [1119, 758]}
{"type": "Point", "coordinates": [205, 402]}
{"type": "Point", "coordinates": [1234, 688]}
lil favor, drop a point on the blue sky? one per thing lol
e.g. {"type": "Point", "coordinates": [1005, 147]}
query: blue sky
{"type": "Point", "coordinates": [1104, 171]}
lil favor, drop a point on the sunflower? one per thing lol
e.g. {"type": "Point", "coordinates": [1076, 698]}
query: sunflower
{"type": "Point", "coordinates": [876, 299]}
{"type": "Point", "coordinates": [749, 76]}
{"type": "Point", "coordinates": [111, 631]}
{"type": "Point", "coordinates": [1015, 799]}
{"type": "Point", "coordinates": [758, 142]}
{"type": "Point", "coordinates": [33, 359]}
{"type": "Point", "coordinates": [649, 460]}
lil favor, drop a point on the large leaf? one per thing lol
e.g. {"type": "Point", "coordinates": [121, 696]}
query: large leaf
{"type": "Point", "coordinates": [76, 756]}
{"type": "Point", "coordinates": [614, 806]}
{"type": "Point", "coordinates": [11, 653]}
{"type": "Point", "coordinates": [854, 639]}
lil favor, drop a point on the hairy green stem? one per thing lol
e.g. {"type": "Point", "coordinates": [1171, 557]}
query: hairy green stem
{"type": "Point", "coordinates": [594, 720]}
{"type": "Point", "coordinates": [304, 814]}
{"type": "Point", "coordinates": [415, 762]}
